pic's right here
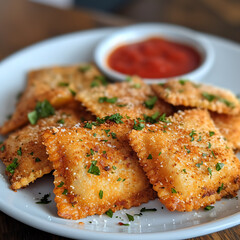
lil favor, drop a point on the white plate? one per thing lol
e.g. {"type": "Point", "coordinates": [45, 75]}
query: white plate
{"type": "Point", "coordinates": [78, 47]}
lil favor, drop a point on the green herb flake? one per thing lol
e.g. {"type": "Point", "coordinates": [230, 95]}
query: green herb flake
{"type": "Point", "coordinates": [182, 81]}
{"type": "Point", "coordinates": [12, 166]}
{"type": "Point", "coordinates": [61, 184]}
{"type": "Point", "coordinates": [72, 92]}
{"type": "Point", "coordinates": [44, 199]}
{"type": "Point", "coordinates": [152, 119]}
{"type": "Point", "coordinates": [114, 135]}
{"type": "Point", "coordinates": [121, 105]}
{"type": "Point", "coordinates": [184, 170]}
{"type": "Point", "coordinates": [100, 194]}
{"type": "Point", "coordinates": [114, 168]}
{"type": "Point", "coordinates": [199, 164]}
{"type": "Point", "coordinates": [209, 145]}
{"type": "Point", "coordinates": [213, 154]}
{"type": "Point", "coordinates": [2, 148]}
{"type": "Point", "coordinates": [199, 139]}
{"type": "Point", "coordinates": [31, 153]}
{"type": "Point", "coordinates": [209, 97]}
{"type": "Point", "coordinates": [138, 126]}
{"type": "Point", "coordinates": [149, 156]}
{"type": "Point", "coordinates": [220, 188]}
{"type": "Point", "coordinates": [84, 69]}
{"type": "Point", "coordinates": [159, 153]}
{"type": "Point", "coordinates": [107, 132]}
{"type": "Point", "coordinates": [88, 125]}
{"type": "Point", "coordinates": [128, 79]}
{"type": "Point", "coordinates": [94, 134]}
{"type": "Point", "coordinates": [173, 190]}
{"type": "Point", "coordinates": [130, 217]}
{"type": "Point", "coordinates": [63, 84]}
{"type": "Point", "coordinates": [61, 121]}
{"type": "Point", "coordinates": [108, 100]}
{"type": "Point", "coordinates": [148, 210]}
{"type": "Point", "coordinates": [219, 166]}
{"type": "Point", "coordinates": [137, 86]}
{"type": "Point", "coordinates": [204, 154]}
{"type": "Point", "coordinates": [192, 133]}
{"type": "Point", "coordinates": [207, 208]}
{"type": "Point", "coordinates": [42, 110]}
{"type": "Point", "coordinates": [19, 152]}
{"type": "Point", "coordinates": [65, 192]}
{"type": "Point", "coordinates": [94, 169]}
{"type": "Point", "coordinates": [188, 151]}
{"type": "Point", "coordinates": [209, 171]}
{"type": "Point", "coordinates": [162, 118]}
{"type": "Point", "coordinates": [109, 213]}
{"type": "Point", "coordinates": [150, 102]}
{"type": "Point", "coordinates": [211, 133]}
{"type": "Point", "coordinates": [119, 179]}
{"type": "Point", "coordinates": [37, 159]}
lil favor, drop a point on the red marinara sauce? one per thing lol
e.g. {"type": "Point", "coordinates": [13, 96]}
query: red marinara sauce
{"type": "Point", "coordinates": [154, 58]}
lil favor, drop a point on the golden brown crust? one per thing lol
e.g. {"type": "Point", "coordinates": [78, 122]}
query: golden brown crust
{"type": "Point", "coordinates": [56, 84]}
{"type": "Point", "coordinates": [73, 152]}
{"type": "Point", "coordinates": [229, 126]}
{"type": "Point", "coordinates": [25, 145]}
{"type": "Point", "coordinates": [185, 155]}
{"type": "Point", "coordinates": [189, 94]}
{"type": "Point", "coordinates": [130, 99]}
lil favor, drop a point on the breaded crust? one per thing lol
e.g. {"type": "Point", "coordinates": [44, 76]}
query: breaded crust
{"type": "Point", "coordinates": [58, 85]}
{"type": "Point", "coordinates": [229, 126]}
{"type": "Point", "coordinates": [130, 98]}
{"type": "Point", "coordinates": [189, 94]}
{"type": "Point", "coordinates": [187, 161]}
{"type": "Point", "coordinates": [25, 145]}
{"type": "Point", "coordinates": [95, 170]}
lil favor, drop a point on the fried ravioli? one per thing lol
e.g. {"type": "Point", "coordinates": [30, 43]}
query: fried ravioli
{"type": "Point", "coordinates": [58, 85]}
{"type": "Point", "coordinates": [187, 160]}
{"type": "Point", "coordinates": [229, 126]}
{"type": "Point", "coordinates": [132, 99]}
{"type": "Point", "coordinates": [189, 94]}
{"type": "Point", "coordinates": [23, 153]}
{"type": "Point", "coordinates": [95, 170]}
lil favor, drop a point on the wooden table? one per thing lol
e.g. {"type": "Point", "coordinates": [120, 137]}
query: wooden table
{"type": "Point", "coordinates": [23, 23]}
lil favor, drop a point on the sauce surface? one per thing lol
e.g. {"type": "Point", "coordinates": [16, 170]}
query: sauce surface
{"type": "Point", "coordinates": [154, 58]}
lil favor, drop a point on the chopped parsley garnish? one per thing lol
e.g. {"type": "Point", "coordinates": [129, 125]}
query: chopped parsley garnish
{"type": "Point", "coordinates": [113, 118]}
{"type": "Point", "coordinates": [121, 105]}
{"type": "Point", "coordinates": [188, 151]}
{"type": "Point", "coordinates": [173, 190]}
{"type": "Point", "coordinates": [130, 217]}
{"type": "Point", "coordinates": [219, 166]}
{"type": "Point", "coordinates": [2, 148]}
{"type": "Point", "coordinates": [94, 169]}
{"type": "Point", "coordinates": [163, 118]}
{"type": "Point", "coordinates": [19, 152]}
{"type": "Point", "coordinates": [61, 184]}
{"type": "Point", "coordinates": [149, 156]}
{"type": "Point", "coordinates": [159, 153]}
{"type": "Point", "coordinates": [44, 199]}
{"type": "Point", "coordinates": [114, 168]}
{"type": "Point", "coordinates": [72, 92]}
{"type": "Point", "coordinates": [211, 133]}
{"type": "Point", "coordinates": [91, 153]}
{"type": "Point", "coordinates": [84, 69]}
{"type": "Point", "coordinates": [88, 125]}
{"type": "Point", "coordinates": [184, 170]}
{"type": "Point", "coordinates": [94, 134]}
{"type": "Point", "coordinates": [137, 85]}
{"type": "Point", "coordinates": [192, 133]}
{"type": "Point", "coordinates": [109, 213]}
{"type": "Point", "coordinates": [138, 126]}
{"type": "Point", "coordinates": [37, 159]}
{"type": "Point", "coordinates": [182, 81]}
{"type": "Point", "coordinates": [210, 171]}
{"type": "Point", "coordinates": [61, 121]}
{"type": "Point", "coordinates": [31, 153]}
{"type": "Point", "coordinates": [199, 164]}
{"type": "Point", "coordinates": [107, 131]}
{"type": "Point", "coordinates": [63, 84]}
{"type": "Point", "coordinates": [209, 145]}
{"type": "Point", "coordinates": [209, 97]}
{"type": "Point", "coordinates": [42, 110]}
{"type": "Point", "coordinates": [199, 139]}
{"type": "Point", "coordinates": [101, 194]}
{"type": "Point", "coordinates": [148, 210]}
{"type": "Point", "coordinates": [108, 100]}
{"type": "Point", "coordinates": [119, 179]}
{"type": "Point", "coordinates": [99, 80]}
{"type": "Point", "coordinates": [207, 208]}
{"type": "Point", "coordinates": [114, 135]}
{"type": "Point", "coordinates": [204, 154]}
{"type": "Point", "coordinates": [150, 102]}
{"type": "Point", "coordinates": [213, 154]}
{"type": "Point", "coordinates": [12, 166]}
{"type": "Point", "coordinates": [152, 119]}
{"type": "Point", "coordinates": [226, 102]}
{"type": "Point", "coordinates": [220, 188]}
{"type": "Point", "coordinates": [128, 79]}
{"type": "Point", "coordinates": [65, 192]}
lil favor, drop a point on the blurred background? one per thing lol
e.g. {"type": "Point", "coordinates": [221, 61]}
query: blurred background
{"type": "Point", "coordinates": [23, 22]}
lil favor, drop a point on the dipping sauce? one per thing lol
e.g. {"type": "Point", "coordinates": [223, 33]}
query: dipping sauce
{"type": "Point", "coordinates": [154, 58]}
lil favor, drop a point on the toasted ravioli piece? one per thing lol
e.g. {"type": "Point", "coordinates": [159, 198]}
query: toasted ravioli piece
{"type": "Point", "coordinates": [189, 94]}
{"type": "Point", "coordinates": [229, 126]}
{"type": "Point", "coordinates": [95, 170]}
{"type": "Point", "coordinates": [23, 153]}
{"type": "Point", "coordinates": [133, 98]}
{"type": "Point", "coordinates": [187, 161]}
{"type": "Point", "coordinates": [58, 85]}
